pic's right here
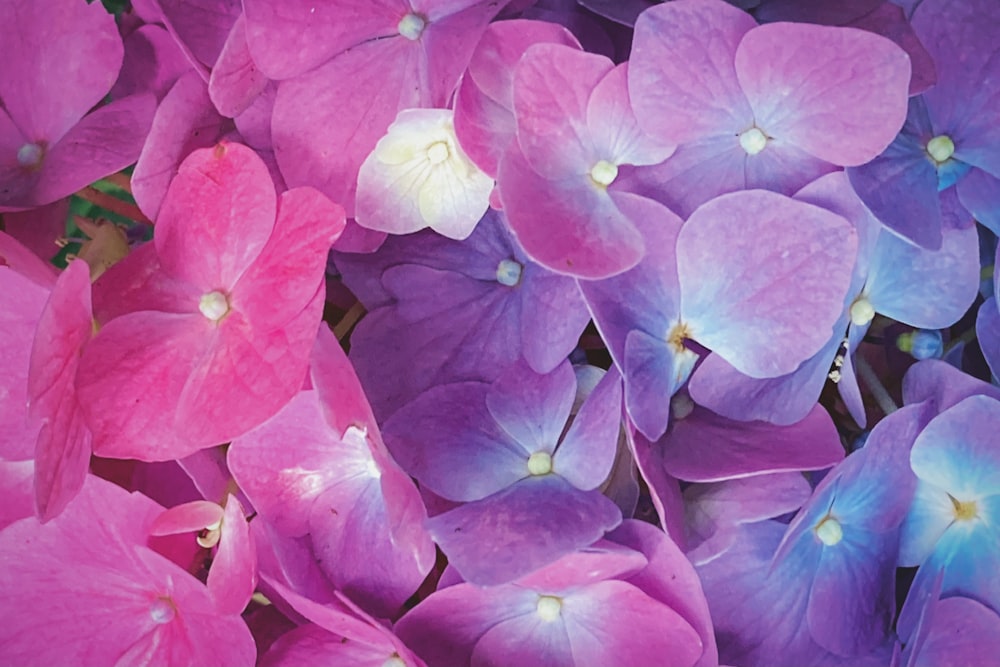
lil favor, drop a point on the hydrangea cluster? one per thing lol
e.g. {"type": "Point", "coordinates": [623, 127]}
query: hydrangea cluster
{"type": "Point", "coordinates": [443, 333]}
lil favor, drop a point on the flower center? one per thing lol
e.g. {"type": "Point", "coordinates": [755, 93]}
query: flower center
{"type": "Point", "coordinates": [214, 305]}
{"type": "Point", "coordinates": [604, 173]}
{"type": "Point", "coordinates": [677, 335]}
{"type": "Point", "coordinates": [30, 155]}
{"type": "Point", "coordinates": [411, 26]}
{"type": "Point", "coordinates": [509, 272]}
{"type": "Point", "coordinates": [548, 607]}
{"type": "Point", "coordinates": [394, 661]}
{"type": "Point", "coordinates": [941, 148]}
{"type": "Point", "coordinates": [162, 610]}
{"type": "Point", "coordinates": [964, 510]}
{"type": "Point", "coordinates": [438, 152]}
{"type": "Point", "coordinates": [862, 311]}
{"type": "Point", "coordinates": [829, 531]}
{"type": "Point", "coordinates": [753, 140]}
{"type": "Point", "coordinates": [540, 463]}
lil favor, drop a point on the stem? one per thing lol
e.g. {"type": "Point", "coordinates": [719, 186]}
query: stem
{"type": "Point", "coordinates": [879, 392]}
{"type": "Point", "coordinates": [113, 204]}
{"type": "Point", "coordinates": [349, 319]}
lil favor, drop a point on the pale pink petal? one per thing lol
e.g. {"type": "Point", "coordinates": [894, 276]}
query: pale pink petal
{"type": "Point", "coordinates": [838, 93]}
{"type": "Point", "coordinates": [187, 518]}
{"type": "Point", "coordinates": [216, 218]}
{"type": "Point", "coordinates": [233, 575]}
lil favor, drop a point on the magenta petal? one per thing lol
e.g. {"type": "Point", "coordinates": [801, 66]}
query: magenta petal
{"type": "Point", "coordinates": [62, 454]}
{"type": "Point", "coordinates": [521, 528]}
{"type": "Point", "coordinates": [235, 81]}
{"type": "Point", "coordinates": [200, 26]}
{"type": "Point", "coordinates": [570, 226]}
{"type": "Point", "coordinates": [233, 576]}
{"type": "Point", "coordinates": [184, 121]}
{"type": "Point", "coordinates": [531, 408]}
{"type": "Point", "coordinates": [706, 448]}
{"type": "Point", "coordinates": [791, 269]}
{"type": "Point", "coordinates": [105, 141]}
{"type": "Point", "coordinates": [838, 93]}
{"type": "Point", "coordinates": [187, 518]}
{"type": "Point", "coordinates": [319, 30]}
{"type": "Point", "coordinates": [342, 399]}
{"type": "Point", "coordinates": [17, 480]}
{"type": "Point", "coordinates": [229, 186]}
{"type": "Point", "coordinates": [25, 263]}
{"type": "Point", "coordinates": [681, 76]}
{"type": "Point", "coordinates": [588, 449]}
{"type": "Point", "coordinates": [48, 90]}
{"type": "Point", "coordinates": [552, 87]}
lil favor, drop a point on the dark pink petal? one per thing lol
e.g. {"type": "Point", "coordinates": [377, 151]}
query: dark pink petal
{"type": "Point", "coordinates": [838, 93]}
{"type": "Point", "coordinates": [681, 76]}
{"type": "Point", "coordinates": [523, 527]}
{"type": "Point", "coordinates": [233, 575]}
{"type": "Point", "coordinates": [137, 283]}
{"type": "Point", "coordinates": [235, 81]}
{"type": "Point", "coordinates": [791, 269]}
{"type": "Point", "coordinates": [23, 262]}
{"type": "Point", "coordinates": [216, 217]}
{"type": "Point", "coordinates": [48, 90]}
{"type": "Point", "coordinates": [340, 136]}
{"type": "Point", "coordinates": [245, 376]}
{"type": "Point", "coordinates": [187, 518]}
{"type": "Point", "coordinates": [531, 408]}
{"type": "Point", "coordinates": [552, 86]}
{"type": "Point", "coordinates": [571, 226]}
{"type": "Point", "coordinates": [17, 481]}
{"type": "Point", "coordinates": [342, 399]}
{"type": "Point", "coordinates": [200, 27]}
{"type": "Point", "coordinates": [291, 266]}
{"type": "Point", "coordinates": [706, 448]}
{"type": "Point", "coordinates": [62, 454]}
{"type": "Point", "coordinates": [135, 366]}
{"type": "Point", "coordinates": [184, 121]}
{"type": "Point", "coordinates": [588, 449]}
{"type": "Point", "coordinates": [39, 228]}
{"type": "Point", "coordinates": [320, 30]}
{"type": "Point", "coordinates": [104, 142]}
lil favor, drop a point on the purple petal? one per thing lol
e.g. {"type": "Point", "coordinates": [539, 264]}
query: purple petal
{"type": "Point", "coordinates": [988, 333]}
{"type": "Point", "coordinates": [979, 192]}
{"type": "Point", "coordinates": [200, 27]}
{"type": "Point", "coordinates": [532, 409]}
{"type": "Point", "coordinates": [942, 383]}
{"type": "Point", "coordinates": [588, 450]}
{"type": "Point", "coordinates": [530, 524]}
{"type": "Point", "coordinates": [235, 81]}
{"type": "Point", "coordinates": [556, 318]}
{"type": "Point", "coordinates": [654, 371]}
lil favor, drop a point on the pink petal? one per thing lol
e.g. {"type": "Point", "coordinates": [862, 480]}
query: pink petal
{"type": "Point", "coordinates": [235, 81]}
{"type": "Point", "coordinates": [838, 93]}
{"type": "Point", "coordinates": [39, 228]}
{"type": "Point", "coordinates": [184, 121]}
{"type": "Point", "coordinates": [552, 85]}
{"type": "Point", "coordinates": [233, 575]}
{"type": "Point", "coordinates": [342, 399]}
{"type": "Point", "coordinates": [216, 217]}
{"type": "Point", "coordinates": [48, 90]}
{"type": "Point", "coordinates": [62, 454]}
{"type": "Point", "coordinates": [25, 263]}
{"type": "Point", "coordinates": [290, 268]}
{"type": "Point", "coordinates": [790, 271]}
{"type": "Point", "coordinates": [187, 518]}
{"type": "Point", "coordinates": [200, 26]}
{"type": "Point", "coordinates": [681, 74]}
{"type": "Point", "coordinates": [17, 480]}
{"type": "Point", "coordinates": [319, 30]}
{"type": "Point", "coordinates": [137, 283]}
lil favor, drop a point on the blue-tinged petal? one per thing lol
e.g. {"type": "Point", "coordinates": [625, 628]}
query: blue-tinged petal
{"type": "Point", "coordinates": [957, 451]}
{"type": "Point", "coordinates": [931, 512]}
{"type": "Point", "coordinates": [653, 373]}
{"type": "Point", "coordinates": [988, 333]}
{"type": "Point", "coordinates": [532, 409]}
{"type": "Point", "coordinates": [979, 193]}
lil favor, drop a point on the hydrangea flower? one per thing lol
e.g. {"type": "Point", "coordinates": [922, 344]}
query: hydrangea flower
{"type": "Point", "coordinates": [228, 295]}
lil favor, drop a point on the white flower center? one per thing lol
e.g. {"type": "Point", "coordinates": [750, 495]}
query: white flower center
{"type": "Point", "coordinates": [411, 26]}
{"type": "Point", "coordinates": [549, 607]}
{"type": "Point", "coordinates": [604, 173]}
{"type": "Point", "coordinates": [753, 140]}
{"type": "Point", "coordinates": [862, 312]}
{"type": "Point", "coordinates": [540, 463]}
{"type": "Point", "coordinates": [829, 531]}
{"type": "Point", "coordinates": [509, 272]}
{"type": "Point", "coordinates": [162, 610]}
{"type": "Point", "coordinates": [941, 148]}
{"type": "Point", "coordinates": [394, 661]}
{"type": "Point", "coordinates": [438, 152]}
{"type": "Point", "coordinates": [214, 305]}
{"type": "Point", "coordinates": [30, 155]}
